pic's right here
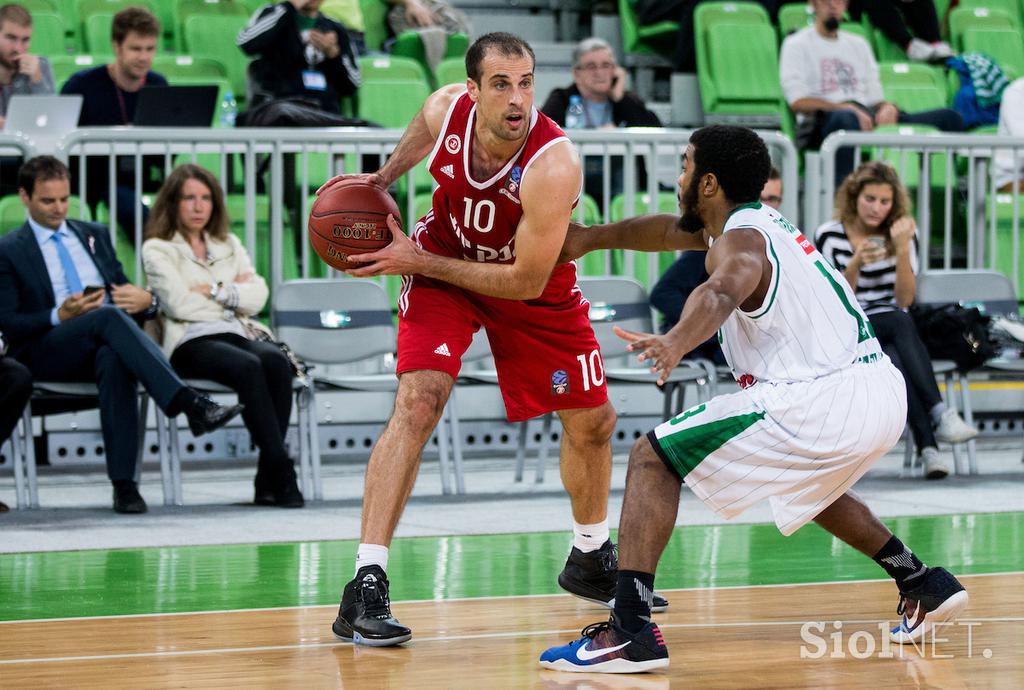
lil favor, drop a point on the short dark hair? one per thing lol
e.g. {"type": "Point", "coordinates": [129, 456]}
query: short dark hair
{"type": "Point", "coordinates": [15, 14]}
{"type": "Point", "coordinates": [134, 19]}
{"type": "Point", "coordinates": [774, 174]}
{"type": "Point", "coordinates": [506, 44]}
{"type": "Point", "coordinates": [736, 156]}
{"type": "Point", "coordinates": [40, 169]}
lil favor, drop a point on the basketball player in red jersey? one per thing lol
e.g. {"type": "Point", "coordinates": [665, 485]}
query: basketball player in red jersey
{"type": "Point", "coordinates": [485, 255]}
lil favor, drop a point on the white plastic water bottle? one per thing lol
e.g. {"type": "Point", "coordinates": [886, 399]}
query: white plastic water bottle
{"type": "Point", "coordinates": [574, 116]}
{"type": "Point", "coordinates": [228, 110]}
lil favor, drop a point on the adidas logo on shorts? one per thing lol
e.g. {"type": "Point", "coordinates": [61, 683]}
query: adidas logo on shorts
{"type": "Point", "coordinates": [442, 349]}
{"type": "Point", "coordinates": [448, 170]}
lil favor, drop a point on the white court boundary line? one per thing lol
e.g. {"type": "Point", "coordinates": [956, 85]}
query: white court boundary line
{"type": "Point", "coordinates": [462, 599]}
{"type": "Point", "coordinates": [439, 638]}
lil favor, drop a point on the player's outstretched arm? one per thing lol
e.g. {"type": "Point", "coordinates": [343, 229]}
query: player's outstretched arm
{"type": "Point", "coordinates": [654, 233]}
{"type": "Point", "coordinates": [417, 141]}
{"type": "Point", "coordinates": [739, 272]}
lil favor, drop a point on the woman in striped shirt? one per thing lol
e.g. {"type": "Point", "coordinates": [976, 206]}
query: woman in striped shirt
{"type": "Point", "coordinates": [873, 241]}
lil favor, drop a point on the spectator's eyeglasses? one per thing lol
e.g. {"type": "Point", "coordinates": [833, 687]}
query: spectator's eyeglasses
{"type": "Point", "coordinates": [594, 66]}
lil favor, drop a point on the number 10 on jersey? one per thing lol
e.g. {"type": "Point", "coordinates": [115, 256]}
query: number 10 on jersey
{"type": "Point", "coordinates": [592, 369]}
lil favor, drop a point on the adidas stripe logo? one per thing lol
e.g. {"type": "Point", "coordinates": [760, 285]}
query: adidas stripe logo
{"type": "Point", "coordinates": [448, 170]}
{"type": "Point", "coordinates": [442, 350]}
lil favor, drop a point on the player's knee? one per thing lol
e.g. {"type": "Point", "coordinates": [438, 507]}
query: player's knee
{"type": "Point", "coordinates": [423, 403]}
{"type": "Point", "coordinates": [595, 427]}
{"type": "Point", "coordinates": [642, 454]}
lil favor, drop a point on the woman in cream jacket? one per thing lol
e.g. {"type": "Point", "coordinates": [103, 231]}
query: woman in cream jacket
{"type": "Point", "coordinates": [208, 291]}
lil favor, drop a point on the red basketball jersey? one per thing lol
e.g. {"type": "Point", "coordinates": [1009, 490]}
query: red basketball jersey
{"type": "Point", "coordinates": [477, 219]}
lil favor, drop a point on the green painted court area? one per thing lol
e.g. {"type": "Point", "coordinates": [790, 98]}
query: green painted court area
{"type": "Point", "coordinates": [211, 578]}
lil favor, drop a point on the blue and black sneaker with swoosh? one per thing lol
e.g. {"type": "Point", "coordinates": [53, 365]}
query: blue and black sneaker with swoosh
{"type": "Point", "coordinates": [606, 647]}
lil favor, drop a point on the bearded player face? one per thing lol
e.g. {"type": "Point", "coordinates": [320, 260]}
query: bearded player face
{"type": "Point", "coordinates": [689, 215]}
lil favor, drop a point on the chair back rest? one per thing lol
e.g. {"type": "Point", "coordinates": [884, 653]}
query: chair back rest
{"type": "Point", "coordinates": [621, 302]}
{"type": "Point", "coordinates": [334, 321]}
{"type": "Point", "coordinates": [989, 289]}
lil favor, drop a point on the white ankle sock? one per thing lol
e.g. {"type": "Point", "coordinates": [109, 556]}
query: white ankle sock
{"type": "Point", "coordinates": [372, 554]}
{"type": "Point", "coordinates": [589, 538]}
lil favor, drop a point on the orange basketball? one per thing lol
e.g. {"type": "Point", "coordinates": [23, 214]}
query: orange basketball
{"type": "Point", "coordinates": [350, 219]}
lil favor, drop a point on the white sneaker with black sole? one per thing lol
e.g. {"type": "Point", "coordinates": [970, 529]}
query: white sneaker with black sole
{"type": "Point", "coordinates": [953, 429]}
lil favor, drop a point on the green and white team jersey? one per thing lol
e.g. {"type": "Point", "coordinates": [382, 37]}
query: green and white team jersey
{"type": "Point", "coordinates": [809, 324]}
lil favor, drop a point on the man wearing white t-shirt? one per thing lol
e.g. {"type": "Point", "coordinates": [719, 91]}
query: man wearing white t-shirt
{"type": "Point", "coordinates": [830, 80]}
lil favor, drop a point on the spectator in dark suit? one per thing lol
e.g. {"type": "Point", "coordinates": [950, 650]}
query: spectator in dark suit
{"type": "Point", "coordinates": [15, 389]}
{"type": "Point", "coordinates": [70, 313]}
{"type": "Point", "coordinates": [109, 96]}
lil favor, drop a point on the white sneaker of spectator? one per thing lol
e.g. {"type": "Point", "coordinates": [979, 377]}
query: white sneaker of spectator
{"type": "Point", "coordinates": [953, 429]}
{"type": "Point", "coordinates": [935, 466]}
{"type": "Point", "coordinates": [920, 50]}
{"type": "Point", "coordinates": [941, 50]}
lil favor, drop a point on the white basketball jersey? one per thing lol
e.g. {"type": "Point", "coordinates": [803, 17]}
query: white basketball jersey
{"type": "Point", "coordinates": [809, 324]}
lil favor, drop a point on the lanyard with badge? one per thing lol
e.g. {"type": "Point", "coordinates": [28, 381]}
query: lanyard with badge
{"type": "Point", "coordinates": [312, 79]}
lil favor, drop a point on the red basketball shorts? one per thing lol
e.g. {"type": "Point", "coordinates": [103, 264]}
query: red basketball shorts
{"type": "Point", "coordinates": [546, 354]}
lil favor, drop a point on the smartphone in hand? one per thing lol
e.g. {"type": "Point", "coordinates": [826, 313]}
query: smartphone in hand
{"type": "Point", "coordinates": [93, 289]}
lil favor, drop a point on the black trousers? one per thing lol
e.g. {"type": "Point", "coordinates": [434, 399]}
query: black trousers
{"type": "Point", "coordinates": [108, 347]}
{"type": "Point", "coordinates": [262, 377]}
{"type": "Point", "coordinates": [15, 390]}
{"type": "Point", "coordinates": [901, 20]}
{"type": "Point", "coordinates": [898, 336]}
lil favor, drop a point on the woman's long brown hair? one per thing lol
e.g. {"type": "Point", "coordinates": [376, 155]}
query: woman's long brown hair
{"type": "Point", "coordinates": [163, 219]}
{"type": "Point", "coordinates": [872, 172]}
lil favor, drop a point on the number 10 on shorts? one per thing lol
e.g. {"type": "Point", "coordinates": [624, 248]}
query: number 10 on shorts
{"type": "Point", "coordinates": [592, 369]}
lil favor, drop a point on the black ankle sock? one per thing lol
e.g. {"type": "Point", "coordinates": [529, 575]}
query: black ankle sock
{"type": "Point", "coordinates": [901, 564]}
{"type": "Point", "coordinates": [181, 401]}
{"type": "Point", "coordinates": [634, 593]}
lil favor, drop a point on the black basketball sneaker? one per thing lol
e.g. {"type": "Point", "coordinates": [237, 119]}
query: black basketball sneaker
{"type": "Point", "coordinates": [365, 613]}
{"type": "Point", "coordinates": [591, 576]}
{"type": "Point", "coordinates": [939, 598]}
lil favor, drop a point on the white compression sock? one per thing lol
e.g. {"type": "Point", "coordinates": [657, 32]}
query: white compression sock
{"type": "Point", "coordinates": [589, 538]}
{"type": "Point", "coordinates": [372, 554]}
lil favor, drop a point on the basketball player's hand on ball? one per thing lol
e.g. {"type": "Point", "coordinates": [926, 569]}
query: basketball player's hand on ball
{"type": "Point", "coordinates": [660, 352]}
{"type": "Point", "coordinates": [369, 178]}
{"type": "Point", "coordinates": [400, 258]}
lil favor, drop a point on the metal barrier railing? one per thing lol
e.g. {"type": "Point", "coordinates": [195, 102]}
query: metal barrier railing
{"type": "Point", "coordinates": [953, 177]}
{"type": "Point", "coordinates": [281, 161]}
{"type": "Point", "coordinates": [13, 145]}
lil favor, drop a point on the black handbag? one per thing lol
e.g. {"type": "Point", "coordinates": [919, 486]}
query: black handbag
{"type": "Point", "coordinates": [951, 331]}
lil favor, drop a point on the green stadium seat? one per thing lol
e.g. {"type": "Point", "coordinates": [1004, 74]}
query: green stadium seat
{"type": "Point", "coordinates": [48, 6]}
{"type": "Point", "coordinates": [650, 39]}
{"type": "Point", "coordinates": [48, 35]}
{"type": "Point", "coordinates": [458, 45]}
{"type": "Point", "coordinates": [208, 37]}
{"type": "Point", "coordinates": [736, 82]}
{"type": "Point", "coordinates": [450, 71]}
{"type": "Point", "coordinates": [66, 65]}
{"type": "Point", "coordinates": [236, 209]}
{"type": "Point", "coordinates": [186, 66]}
{"type": "Point", "coordinates": [385, 67]}
{"type": "Point", "coordinates": [375, 18]}
{"type": "Point", "coordinates": [206, 10]}
{"type": "Point", "coordinates": [793, 17]}
{"type": "Point", "coordinates": [409, 44]}
{"type": "Point", "coordinates": [12, 212]}
{"type": "Point", "coordinates": [96, 34]}
{"type": "Point", "coordinates": [1011, 7]}
{"type": "Point", "coordinates": [907, 164]}
{"type": "Point", "coordinates": [963, 18]}
{"type": "Point", "coordinates": [913, 86]}
{"type": "Point", "coordinates": [1005, 46]}
{"type": "Point", "coordinates": [666, 203]}
{"type": "Point", "coordinates": [86, 8]}
{"type": "Point", "coordinates": [392, 102]}
{"type": "Point", "coordinates": [886, 50]}
{"type": "Point", "coordinates": [253, 5]}
{"type": "Point", "coordinates": [1002, 206]}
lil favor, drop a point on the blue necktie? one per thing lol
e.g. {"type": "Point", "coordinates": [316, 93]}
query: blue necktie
{"type": "Point", "coordinates": [70, 272]}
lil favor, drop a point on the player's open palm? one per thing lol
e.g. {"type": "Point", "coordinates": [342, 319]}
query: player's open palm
{"type": "Point", "coordinates": [659, 352]}
{"type": "Point", "coordinates": [400, 258]}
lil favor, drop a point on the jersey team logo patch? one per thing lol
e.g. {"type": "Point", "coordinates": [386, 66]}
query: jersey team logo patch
{"type": "Point", "coordinates": [559, 382]}
{"type": "Point", "coordinates": [452, 143]}
{"type": "Point", "coordinates": [449, 170]}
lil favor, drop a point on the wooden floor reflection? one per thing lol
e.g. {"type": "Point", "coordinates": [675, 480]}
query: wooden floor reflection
{"type": "Point", "coordinates": [746, 637]}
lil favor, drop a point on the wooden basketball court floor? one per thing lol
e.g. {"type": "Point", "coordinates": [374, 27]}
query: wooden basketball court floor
{"type": "Point", "coordinates": [749, 609]}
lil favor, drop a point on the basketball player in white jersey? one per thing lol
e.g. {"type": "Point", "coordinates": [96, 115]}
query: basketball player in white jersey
{"type": "Point", "coordinates": [819, 401]}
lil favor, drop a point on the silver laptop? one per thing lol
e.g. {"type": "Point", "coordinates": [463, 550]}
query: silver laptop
{"type": "Point", "coordinates": [43, 119]}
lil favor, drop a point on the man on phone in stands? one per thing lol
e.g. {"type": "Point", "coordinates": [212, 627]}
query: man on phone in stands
{"type": "Point", "coordinates": [70, 314]}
